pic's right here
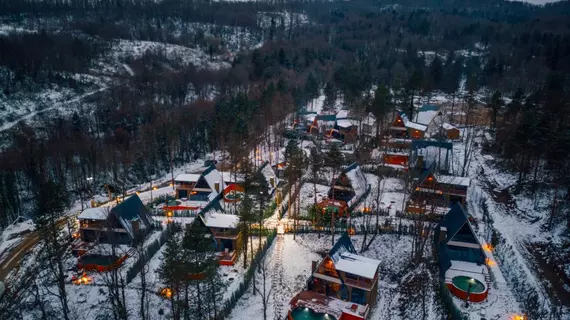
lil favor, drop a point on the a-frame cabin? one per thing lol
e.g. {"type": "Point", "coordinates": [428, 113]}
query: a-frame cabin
{"type": "Point", "coordinates": [437, 191]}
{"type": "Point", "coordinates": [461, 257]}
{"type": "Point", "coordinates": [456, 240]}
{"type": "Point", "coordinates": [349, 186]}
{"type": "Point", "coordinates": [344, 275]}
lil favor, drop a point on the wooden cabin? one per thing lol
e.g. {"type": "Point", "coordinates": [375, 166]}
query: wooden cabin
{"type": "Point", "coordinates": [344, 275]}
{"type": "Point", "coordinates": [224, 228]}
{"type": "Point", "coordinates": [195, 191]}
{"type": "Point", "coordinates": [451, 132]}
{"type": "Point", "coordinates": [436, 192]}
{"type": "Point", "coordinates": [348, 130]}
{"type": "Point", "coordinates": [398, 158]}
{"type": "Point", "coordinates": [461, 256]}
{"type": "Point", "coordinates": [350, 186]}
{"type": "Point", "coordinates": [125, 223]}
{"type": "Point", "coordinates": [403, 128]}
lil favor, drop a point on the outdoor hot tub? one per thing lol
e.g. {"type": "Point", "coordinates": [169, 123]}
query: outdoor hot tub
{"type": "Point", "coordinates": [464, 287]}
{"type": "Point", "coordinates": [98, 262]}
{"type": "Point", "coordinates": [302, 313]}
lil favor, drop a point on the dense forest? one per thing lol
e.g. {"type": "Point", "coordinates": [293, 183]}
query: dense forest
{"type": "Point", "coordinates": [515, 56]}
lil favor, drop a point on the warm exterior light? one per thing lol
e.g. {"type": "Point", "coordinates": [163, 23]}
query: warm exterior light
{"type": "Point", "coordinates": [487, 247]}
{"type": "Point", "coordinates": [75, 235]}
{"type": "Point", "coordinates": [171, 185]}
{"type": "Point", "coordinates": [490, 262]}
{"type": "Point", "coordinates": [84, 279]}
{"type": "Point", "coordinates": [167, 292]}
{"type": "Point", "coordinates": [137, 193]}
{"type": "Point", "coordinates": [154, 188]}
{"type": "Point", "coordinates": [169, 214]}
{"type": "Point", "coordinates": [519, 317]}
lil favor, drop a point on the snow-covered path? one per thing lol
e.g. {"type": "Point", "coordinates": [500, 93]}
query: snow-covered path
{"type": "Point", "coordinates": [9, 125]}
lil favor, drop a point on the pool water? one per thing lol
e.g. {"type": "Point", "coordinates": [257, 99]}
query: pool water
{"type": "Point", "coordinates": [462, 283]}
{"type": "Point", "coordinates": [308, 314]}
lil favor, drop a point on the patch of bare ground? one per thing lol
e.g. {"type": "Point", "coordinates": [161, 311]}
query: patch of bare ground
{"type": "Point", "coordinates": [550, 264]}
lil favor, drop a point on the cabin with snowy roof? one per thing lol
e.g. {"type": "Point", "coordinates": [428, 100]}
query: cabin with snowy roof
{"type": "Point", "coordinates": [428, 115]}
{"type": "Point", "coordinates": [350, 186]}
{"type": "Point", "coordinates": [224, 229]}
{"type": "Point", "coordinates": [403, 128]}
{"type": "Point", "coordinates": [194, 191]}
{"type": "Point", "coordinates": [269, 177]}
{"type": "Point", "coordinates": [461, 256]}
{"type": "Point", "coordinates": [450, 131]}
{"type": "Point", "coordinates": [435, 193]}
{"type": "Point", "coordinates": [126, 223]}
{"type": "Point", "coordinates": [345, 275]}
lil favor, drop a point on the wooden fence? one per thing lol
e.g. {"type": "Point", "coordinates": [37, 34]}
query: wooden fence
{"type": "Point", "coordinates": [232, 301]}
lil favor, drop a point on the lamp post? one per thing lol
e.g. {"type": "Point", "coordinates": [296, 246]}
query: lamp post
{"type": "Point", "coordinates": [471, 282]}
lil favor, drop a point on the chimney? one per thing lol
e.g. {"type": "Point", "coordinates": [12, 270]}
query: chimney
{"type": "Point", "coordinates": [313, 266]}
{"type": "Point", "coordinates": [272, 182]}
{"type": "Point", "coordinates": [217, 186]}
{"type": "Point", "coordinates": [442, 234]}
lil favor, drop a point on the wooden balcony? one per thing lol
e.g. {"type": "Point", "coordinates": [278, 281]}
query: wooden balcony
{"type": "Point", "coordinates": [365, 284]}
{"type": "Point", "coordinates": [232, 234]}
{"type": "Point", "coordinates": [425, 209]}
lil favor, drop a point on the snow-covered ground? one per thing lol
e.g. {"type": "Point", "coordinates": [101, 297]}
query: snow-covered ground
{"type": "Point", "coordinates": [519, 222]}
{"type": "Point", "coordinates": [386, 194]}
{"type": "Point", "coordinates": [307, 195]}
{"type": "Point", "coordinates": [12, 235]}
{"type": "Point", "coordinates": [131, 49]}
{"type": "Point", "coordinates": [17, 109]}
{"type": "Point", "coordinates": [290, 264]}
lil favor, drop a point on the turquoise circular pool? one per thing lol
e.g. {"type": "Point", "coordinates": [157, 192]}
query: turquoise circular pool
{"type": "Point", "coordinates": [302, 313]}
{"type": "Point", "coordinates": [468, 283]}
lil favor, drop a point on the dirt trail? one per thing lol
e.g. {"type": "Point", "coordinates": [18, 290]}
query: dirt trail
{"type": "Point", "coordinates": [13, 258]}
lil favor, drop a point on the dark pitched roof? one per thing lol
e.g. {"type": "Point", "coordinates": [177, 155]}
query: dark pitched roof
{"type": "Point", "coordinates": [208, 169]}
{"type": "Point", "coordinates": [326, 117]}
{"type": "Point", "coordinates": [454, 220]}
{"type": "Point", "coordinates": [132, 209]}
{"type": "Point", "coordinates": [428, 107]}
{"type": "Point", "coordinates": [342, 243]}
{"type": "Point", "coordinates": [214, 205]}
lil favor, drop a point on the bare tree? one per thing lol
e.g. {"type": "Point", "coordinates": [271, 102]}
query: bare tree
{"type": "Point", "coordinates": [51, 201]}
{"type": "Point", "coordinates": [144, 298]}
{"type": "Point", "coordinates": [469, 137]}
{"type": "Point", "coordinates": [264, 293]}
{"type": "Point", "coordinates": [115, 282]}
